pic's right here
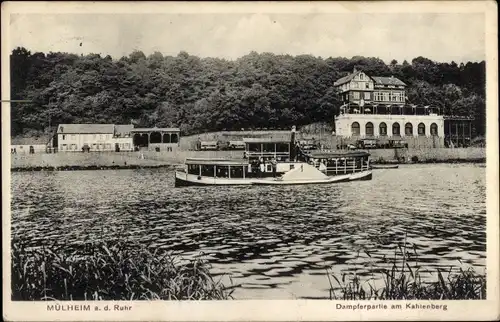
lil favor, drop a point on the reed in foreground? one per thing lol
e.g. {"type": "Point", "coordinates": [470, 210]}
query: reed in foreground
{"type": "Point", "coordinates": [404, 282]}
{"type": "Point", "coordinates": [109, 272]}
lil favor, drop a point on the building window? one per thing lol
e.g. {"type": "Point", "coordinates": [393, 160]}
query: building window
{"type": "Point", "coordinates": [73, 136]}
{"type": "Point", "coordinates": [369, 128]}
{"type": "Point", "coordinates": [367, 85]}
{"type": "Point", "coordinates": [382, 128]}
{"type": "Point", "coordinates": [360, 76]}
{"type": "Point", "coordinates": [421, 129]}
{"type": "Point", "coordinates": [354, 85]}
{"type": "Point", "coordinates": [396, 129]}
{"type": "Point", "coordinates": [434, 129]}
{"type": "Point", "coordinates": [367, 96]}
{"type": "Point", "coordinates": [73, 147]}
{"type": "Point", "coordinates": [64, 137]}
{"type": "Point", "coordinates": [64, 147]}
{"type": "Point", "coordinates": [355, 128]}
{"type": "Point", "coordinates": [408, 129]}
{"type": "Point", "coordinates": [356, 95]}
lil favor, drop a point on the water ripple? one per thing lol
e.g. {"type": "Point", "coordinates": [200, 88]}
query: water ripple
{"type": "Point", "coordinates": [274, 241]}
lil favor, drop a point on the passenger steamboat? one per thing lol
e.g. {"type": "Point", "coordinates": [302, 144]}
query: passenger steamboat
{"type": "Point", "coordinates": [269, 161]}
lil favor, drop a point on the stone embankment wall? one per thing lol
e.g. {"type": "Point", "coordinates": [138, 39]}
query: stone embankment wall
{"type": "Point", "coordinates": [430, 155]}
{"type": "Point", "coordinates": [80, 160]}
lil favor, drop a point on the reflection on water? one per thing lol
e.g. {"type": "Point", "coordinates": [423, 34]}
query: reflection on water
{"type": "Point", "coordinates": [274, 241]}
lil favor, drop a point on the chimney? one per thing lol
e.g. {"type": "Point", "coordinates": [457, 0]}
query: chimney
{"type": "Point", "coordinates": [293, 152]}
{"type": "Point", "coordinates": [354, 70]}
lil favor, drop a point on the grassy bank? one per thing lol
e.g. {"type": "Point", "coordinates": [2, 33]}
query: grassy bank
{"type": "Point", "coordinates": [403, 281]}
{"type": "Point", "coordinates": [109, 271]}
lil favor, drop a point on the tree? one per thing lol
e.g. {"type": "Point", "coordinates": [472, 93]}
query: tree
{"type": "Point", "coordinates": [197, 95]}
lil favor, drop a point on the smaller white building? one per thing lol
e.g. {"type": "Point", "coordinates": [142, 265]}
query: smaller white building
{"type": "Point", "coordinates": [94, 137]}
{"type": "Point", "coordinates": [30, 145]}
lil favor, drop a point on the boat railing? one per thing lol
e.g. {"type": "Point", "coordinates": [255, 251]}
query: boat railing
{"type": "Point", "coordinates": [345, 167]}
{"type": "Point", "coordinates": [255, 154]}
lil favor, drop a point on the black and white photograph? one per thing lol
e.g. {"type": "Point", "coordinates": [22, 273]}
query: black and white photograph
{"type": "Point", "coordinates": [342, 155]}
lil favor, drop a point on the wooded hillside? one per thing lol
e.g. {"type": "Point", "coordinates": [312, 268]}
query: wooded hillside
{"type": "Point", "coordinates": [209, 94]}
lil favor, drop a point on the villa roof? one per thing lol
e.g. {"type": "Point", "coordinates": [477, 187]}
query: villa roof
{"type": "Point", "coordinates": [388, 81]}
{"type": "Point", "coordinates": [86, 129]}
{"type": "Point", "coordinates": [346, 79]}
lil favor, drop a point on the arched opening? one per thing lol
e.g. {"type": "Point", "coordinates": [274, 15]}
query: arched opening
{"type": "Point", "coordinates": [155, 137]}
{"type": "Point", "coordinates": [396, 130]}
{"type": "Point", "coordinates": [174, 138]}
{"type": "Point", "coordinates": [434, 129]}
{"type": "Point", "coordinates": [144, 140]}
{"type": "Point", "coordinates": [166, 138]}
{"type": "Point", "coordinates": [382, 129]}
{"type": "Point", "coordinates": [137, 139]}
{"type": "Point", "coordinates": [355, 128]}
{"type": "Point", "coordinates": [408, 129]}
{"type": "Point", "coordinates": [369, 129]}
{"type": "Point", "coordinates": [421, 129]}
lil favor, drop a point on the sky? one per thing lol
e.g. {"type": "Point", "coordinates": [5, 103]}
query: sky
{"type": "Point", "coordinates": [446, 37]}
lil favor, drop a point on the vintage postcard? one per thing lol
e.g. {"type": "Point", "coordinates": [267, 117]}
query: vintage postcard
{"type": "Point", "coordinates": [253, 161]}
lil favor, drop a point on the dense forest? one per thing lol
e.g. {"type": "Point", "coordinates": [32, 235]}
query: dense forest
{"type": "Point", "coordinates": [206, 94]}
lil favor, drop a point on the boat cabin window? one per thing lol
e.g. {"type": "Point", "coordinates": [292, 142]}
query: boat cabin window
{"type": "Point", "coordinates": [268, 147]}
{"type": "Point", "coordinates": [222, 171]}
{"type": "Point", "coordinates": [254, 147]}
{"type": "Point", "coordinates": [207, 170]}
{"type": "Point", "coordinates": [193, 169]}
{"type": "Point", "coordinates": [236, 172]}
{"type": "Point", "coordinates": [282, 147]}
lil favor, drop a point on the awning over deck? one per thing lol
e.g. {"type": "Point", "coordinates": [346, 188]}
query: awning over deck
{"type": "Point", "coordinates": [266, 140]}
{"type": "Point", "coordinates": [328, 155]}
{"type": "Point", "coordinates": [208, 161]}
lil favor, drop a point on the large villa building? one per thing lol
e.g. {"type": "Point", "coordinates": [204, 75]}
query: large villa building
{"type": "Point", "coordinates": [377, 108]}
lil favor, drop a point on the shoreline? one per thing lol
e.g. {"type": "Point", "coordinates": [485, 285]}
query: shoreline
{"type": "Point", "coordinates": [164, 159]}
{"type": "Point", "coordinates": [172, 165]}
{"type": "Point", "coordinates": [90, 167]}
{"type": "Point", "coordinates": [432, 161]}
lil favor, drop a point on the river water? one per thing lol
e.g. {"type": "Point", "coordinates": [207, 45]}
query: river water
{"type": "Point", "coordinates": [274, 242]}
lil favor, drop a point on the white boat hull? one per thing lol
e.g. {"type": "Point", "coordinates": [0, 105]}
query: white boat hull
{"type": "Point", "coordinates": [184, 179]}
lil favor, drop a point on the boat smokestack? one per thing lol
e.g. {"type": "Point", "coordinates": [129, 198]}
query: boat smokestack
{"type": "Point", "coordinates": [293, 152]}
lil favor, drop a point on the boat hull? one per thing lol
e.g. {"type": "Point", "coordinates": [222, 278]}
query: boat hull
{"type": "Point", "coordinates": [183, 180]}
{"type": "Point", "coordinates": [385, 166]}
